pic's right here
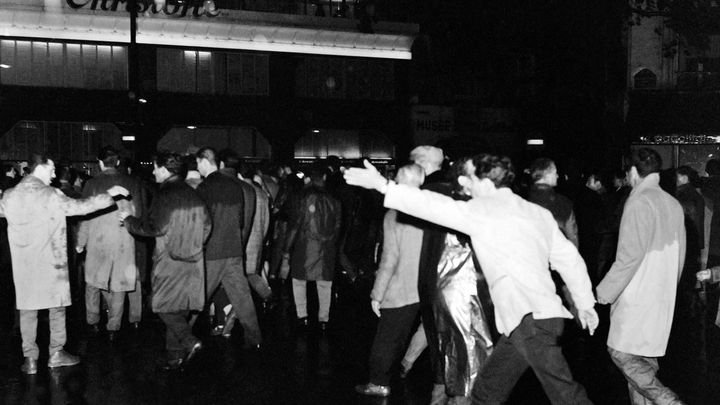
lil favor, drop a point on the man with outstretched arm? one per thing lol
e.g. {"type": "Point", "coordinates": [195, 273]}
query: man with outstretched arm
{"type": "Point", "coordinates": [36, 214]}
{"type": "Point", "coordinates": [515, 241]}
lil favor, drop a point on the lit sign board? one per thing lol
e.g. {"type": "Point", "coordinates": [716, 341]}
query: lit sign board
{"type": "Point", "coordinates": [680, 139]}
{"type": "Point", "coordinates": [143, 6]}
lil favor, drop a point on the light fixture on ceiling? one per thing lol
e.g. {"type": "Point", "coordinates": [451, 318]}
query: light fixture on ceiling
{"type": "Point", "coordinates": [128, 138]}
{"type": "Point", "coordinates": [191, 127]}
{"type": "Point", "coordinates": [4, 66]}
{"type": "Point", "coordinates": [535, 142]}
{"type": "Point", "coordinates": [142, 101]}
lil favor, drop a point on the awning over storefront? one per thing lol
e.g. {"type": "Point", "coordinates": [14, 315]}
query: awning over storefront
{"type": "Point", "coordinates": [248, 142]}
{"type": "Point", "coordinates": [231, 29]}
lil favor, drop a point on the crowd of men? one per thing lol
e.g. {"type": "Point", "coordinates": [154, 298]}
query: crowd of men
{"type": "Point", "coordinates": [492, 262]}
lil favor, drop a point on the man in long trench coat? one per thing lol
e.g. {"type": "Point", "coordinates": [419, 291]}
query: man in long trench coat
{"type": "Point", "coordinates": [642, 283]}
{"type": "Point", "coordinates": [38, 245]}
{"type": "Point", "coordinates": [110, 267]}
{"type": "Point", "coordinates": [180, 223]}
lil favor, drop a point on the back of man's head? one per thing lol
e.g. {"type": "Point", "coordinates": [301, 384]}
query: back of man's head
{"type": "Point", "coordinates": [171, 161]}
{"type": "Point", "coordinates": [109, 156]}
{"type": "Point", "coordinates": [498, 169]}
{"type": "Point", "coordinates": [429, 158]}
{"type": "Point", "coordinates": [230, 159]}
{"type": "Point", "coordinates": [411, 175]}
{"type": "Point", "coordinates": [67, 174]}
{"type": "Point", "coordinates": [208, 153]}
{"type": "Point", "coordinates": [36, 159]}
{"type": "Point", "coordinates": [539, 168]}
{"type": "Point", "coordinates": [647, 161]}
{"type": "Point", "coordinates": [317, 172]}
{"type": "Point", "coordinates": [712, 167]}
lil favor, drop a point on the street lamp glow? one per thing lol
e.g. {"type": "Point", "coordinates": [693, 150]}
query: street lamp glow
{"type": "Point", "coordinates": [142, 101]}
{"type": "Point", "coordinates": [316, 131]}
{"type": "Point", "coordinates": [128, 138]}
{"type": "Point", "coordinates": [4, 66]}
{"type": "Point", "coordinates": [535, 142]}
{"type": "Point", "coordinates": [191, 127]}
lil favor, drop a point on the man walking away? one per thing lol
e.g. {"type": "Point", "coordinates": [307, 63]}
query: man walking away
{"type": "Point", "coordinates": [110, 266]}
{"type": "Point", "coordinates": [642, 283]}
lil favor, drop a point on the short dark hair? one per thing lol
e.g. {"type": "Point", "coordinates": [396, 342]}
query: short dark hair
{"type": "Point", "coordinates": [208, 153]}
{"type": "Point", "coordinates": [692, 174]}
{"type": "Point", "coordinates": [230, 158]}
{"type": "Point", "coordinates": [712, 167]}
{"type": "Point", "coordinates": [498, 169]}
{"type": "Point", "coordinates": [539, 167]}
{"type": "Point", "coordinates": [171, 161]}
{"type": "Point", "coordinates": [67, 173]}
{"type": "Point", "coordinates": [190, 162]}
{"type": "Point", "coordinates": [109, 156]}
{"type": "Point", "coordinates": [318, 170]}
{"type": "Point", "coordinates": [647, 161]}
{"type": "Point", "coordinates": [36, 159]}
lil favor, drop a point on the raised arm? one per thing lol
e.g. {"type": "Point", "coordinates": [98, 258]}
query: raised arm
{"type": "Point", "coordinates": [71, 207]}
{"type": "Point", "coordinates": [423, 204]}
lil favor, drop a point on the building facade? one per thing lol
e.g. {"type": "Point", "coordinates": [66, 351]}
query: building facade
{"type": "Point", "coordinates": [284, 68]}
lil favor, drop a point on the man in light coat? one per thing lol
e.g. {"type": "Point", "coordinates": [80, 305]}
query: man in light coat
{"type": "Point", "coordinates": [642, 283]}
{"type": "Point", "coordinates": [110, 267]}
{"type": "Point", "coordinates": [38, 244]}
{"type": "Point", "coordinates": [514, 241]}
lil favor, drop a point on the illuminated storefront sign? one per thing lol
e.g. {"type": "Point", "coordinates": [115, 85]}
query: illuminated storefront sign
{"type": "Point", "coordinates": [677, 139]}
{"type": "Point", "coordinates": [199, 7]}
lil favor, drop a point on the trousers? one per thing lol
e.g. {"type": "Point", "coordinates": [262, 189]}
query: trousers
{"type": "Point", "coordinates": [28, 331]}
{"type": "Point", "coordinates": [231, 273]}
{"type": "Point", "coordinates": [534, 343]}
{"type": "Point", "coordinates": [392, 333]}
{"type": "Point", "coordinates": [178, 334]}
{"type": "Point", "coordinates": [324, 292]}
{"type": "Point", "coordinates": [641, 375]}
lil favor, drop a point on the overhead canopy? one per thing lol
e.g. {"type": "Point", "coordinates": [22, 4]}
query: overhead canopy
{"type": "Point", "coordinates": [230, 29]}
{"type": "Point", "coordinates": [248, 142]}
{"type": "Point", "coordinates": [346, 144]}
{"type": "Point", "coordinates": [72, 141]}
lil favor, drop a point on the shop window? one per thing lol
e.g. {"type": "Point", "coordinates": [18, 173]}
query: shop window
{"type": "Point", "coordinates": [345, 78]}
{"type": "Point", "coordinates": [58, 64]}
{"type": "Point", "coordinates": [203, 72]}
{"type": "Point", "coordinates": [645, 79]}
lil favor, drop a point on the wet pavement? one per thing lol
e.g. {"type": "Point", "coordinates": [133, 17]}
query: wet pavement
{"type": "Point", "coordinates": [297, 366]}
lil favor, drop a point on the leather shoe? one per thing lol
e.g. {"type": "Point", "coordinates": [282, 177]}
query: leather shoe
{"type": "Point", "coordinates": [136, 325]}
{"type": "Point", "coordinates": [172, 365]}
{"type": "Point", "coordinates": [29, 366]}
{"type": "Point", "coordinates": [229, 324]}
{"type": "Point", "coordinates": [302, 322]}
{"type": "Point", "coordinates": [194, 351]}
{"type": "Point", "coordinates": [217, 330]}
{"type": "Point", "coordinates": [112, 336]}
{"type": "Point", "coordinates": [373, 390]}
{"type": "Point", "coordinates": [323, 326]}
{"type": "Point", "coordinates": [63, 359]}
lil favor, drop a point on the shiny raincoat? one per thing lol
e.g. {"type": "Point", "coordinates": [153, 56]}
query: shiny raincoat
{"type": "Point", "coordinates": [463, 331]}
{"type": "Point", "coordinates": [180, 223]}
{"type": "Point", "coordinates": [38, 240]}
